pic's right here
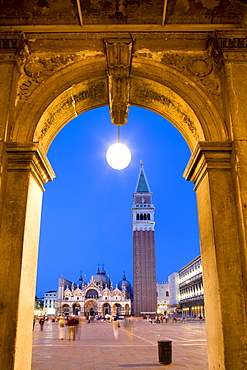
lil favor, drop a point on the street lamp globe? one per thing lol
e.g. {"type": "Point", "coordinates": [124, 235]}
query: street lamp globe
{"type": "Point", "coordinates": [118, 156]}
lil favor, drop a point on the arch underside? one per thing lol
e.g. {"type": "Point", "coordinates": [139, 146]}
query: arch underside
{"type": "Point", "coordinates": [68, 93]}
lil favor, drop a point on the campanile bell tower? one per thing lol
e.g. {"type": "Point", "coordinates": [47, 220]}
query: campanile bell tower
{"type": "Point", "coordinates": [145, 299]}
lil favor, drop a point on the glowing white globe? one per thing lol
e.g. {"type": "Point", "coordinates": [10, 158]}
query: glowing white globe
{"type": "Point", "coordinates": [118, 156]}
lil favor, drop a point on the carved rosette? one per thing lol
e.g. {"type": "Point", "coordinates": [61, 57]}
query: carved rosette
{"type": "Point", "coordinates": [198, 67]}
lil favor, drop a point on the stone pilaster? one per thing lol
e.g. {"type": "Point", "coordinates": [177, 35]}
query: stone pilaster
{"type": "Point", "coordinates": [27, 169]}
{"type": "Point", "coordinates": [210, 168]}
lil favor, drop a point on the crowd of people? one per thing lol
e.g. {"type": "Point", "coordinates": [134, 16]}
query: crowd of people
{"type": "Point", "coordinates": [69, 327]}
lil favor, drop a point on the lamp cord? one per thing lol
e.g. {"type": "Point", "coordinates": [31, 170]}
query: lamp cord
{"type": "Point", "coordinates": [118, 134]}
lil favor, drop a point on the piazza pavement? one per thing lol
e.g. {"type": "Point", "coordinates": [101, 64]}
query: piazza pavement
{"type": "Point", "coordinates": [96, 349]}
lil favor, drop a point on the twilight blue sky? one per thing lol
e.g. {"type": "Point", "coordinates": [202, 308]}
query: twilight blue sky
{"type": "Point", "coordinates": [86, 216]}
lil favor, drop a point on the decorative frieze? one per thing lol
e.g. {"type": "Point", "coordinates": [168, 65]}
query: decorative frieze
{"type": "Point", "coordinates": [197, 66]}
{"type": "Point", "coordinates": [233, 43]}
{"type": "Point", "coordinates": [36, 69]}
{"type": "Point", "coordinates": [15, 48]}
{"type": "Point", "coordinates": [218, 47]}
{"type": "Point", "coordinates": [9, 44]}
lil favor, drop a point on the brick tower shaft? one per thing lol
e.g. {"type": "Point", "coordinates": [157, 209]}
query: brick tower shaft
{"type": "Point", "coordinates": [144, 264]}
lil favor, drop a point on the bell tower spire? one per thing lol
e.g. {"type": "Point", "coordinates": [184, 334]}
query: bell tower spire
{"type": "Point", "coordinates": [144, 264]}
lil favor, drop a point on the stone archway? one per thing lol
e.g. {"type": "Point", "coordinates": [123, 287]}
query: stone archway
{"type": "Point", "coordinates": [90, 308]}
{"type": "Point", "coordinates": [48, 91]}
{"type": "Point", "coordinates": [66, 310]}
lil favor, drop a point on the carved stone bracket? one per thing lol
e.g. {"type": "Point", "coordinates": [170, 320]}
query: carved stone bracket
{"type": "Point", "coordinates": [119, 56]}
{"type": "Point", "coordinates": [214, 50]}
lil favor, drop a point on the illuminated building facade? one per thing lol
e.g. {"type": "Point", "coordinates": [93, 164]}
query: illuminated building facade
{"type": "Point", "coordinates": [191, 290]}
{"type": "Point", "coordinates": [97, 298]}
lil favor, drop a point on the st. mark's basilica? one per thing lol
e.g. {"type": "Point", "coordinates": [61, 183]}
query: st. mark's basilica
{"type": "Point", "coordinates": [98, 297]}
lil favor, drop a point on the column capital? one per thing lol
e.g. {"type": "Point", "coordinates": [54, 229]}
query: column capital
{"type": "Point", "coordinates": [208, 156]}
{"type": "Point", "coordinates": [29, 157]}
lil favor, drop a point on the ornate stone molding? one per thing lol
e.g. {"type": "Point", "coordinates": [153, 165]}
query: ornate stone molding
{"type": "Point", "coordinates": [36, 69]}
{"type": "Point", "coordinates": [90, 90]}
{"type": "Point", "coordinates": [208, 156]}
{"type": "Point", "coordinates": [31, 158]}
{"type": "Point", "coordinates": [17, 46]}
{"type": "Point", "coordinates": [119, 56]}
{"type": "Point", "coordinates": [199, 67]}
{"type": "Point", "coordinates": [9, 44]}
{"type": "Point", "coordinates": [144, 93]}
{"type": "Point", "coordinates": [233, 43]}
{"type": "Point", "coordinates": [218, 47]}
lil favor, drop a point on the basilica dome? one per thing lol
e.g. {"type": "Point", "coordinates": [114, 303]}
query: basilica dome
{"type": "Point", "coordinates": [124, 283]}
{"type": "Point", "coordinates": [80, 282]}
{"type": "Point", "coordinates": [101, 278]}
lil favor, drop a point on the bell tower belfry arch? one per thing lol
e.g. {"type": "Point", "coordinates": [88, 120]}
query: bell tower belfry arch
{"type": "Point", "coordinates": [196, 77]}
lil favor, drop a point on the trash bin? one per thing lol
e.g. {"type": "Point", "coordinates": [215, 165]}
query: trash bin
{"type": "Point", "coordinates": [165, 352]}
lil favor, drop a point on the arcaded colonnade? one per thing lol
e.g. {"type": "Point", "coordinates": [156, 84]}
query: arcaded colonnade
{"type": "Point", "coordinates": [198, 81]}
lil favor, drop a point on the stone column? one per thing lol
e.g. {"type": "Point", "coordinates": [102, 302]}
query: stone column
{"type": "Point", "coordinates": [235, 75]}
{"type": "Point", "coordinates": [210, 168]}
{"type": "Point", "coordinates": [13, 51]}
{"type": "Point", "coordinates": [27, 169]}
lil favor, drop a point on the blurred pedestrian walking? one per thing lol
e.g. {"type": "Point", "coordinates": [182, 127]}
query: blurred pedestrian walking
{"type": "Point", "coordinates": [128, 326]}
{"type": "Point", "coordinates": [41, 322]}
{"type": "Point", "coordinates": [61, 325]}
{"type": "Point", "coordinates": [71, 328]}
{"type": "Point", "coordinates": [115, 325]}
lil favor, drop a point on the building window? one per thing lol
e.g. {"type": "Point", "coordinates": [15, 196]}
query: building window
{"type": "Point", "coordinates": [137, 252]}
{"type": "Point", "coordinates": [167, 293]}
{"type": "Point", "coordinates": [137, 261]}
{"type": "Point", "coordinates": [137, 271]}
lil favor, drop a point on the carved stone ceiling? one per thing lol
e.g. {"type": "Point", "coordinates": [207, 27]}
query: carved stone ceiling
{"type": "Point", "coordinates": [130, 12]}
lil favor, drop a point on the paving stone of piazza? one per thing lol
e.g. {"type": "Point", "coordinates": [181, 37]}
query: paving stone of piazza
{"type": "Point", "coordinates": [96, 348]}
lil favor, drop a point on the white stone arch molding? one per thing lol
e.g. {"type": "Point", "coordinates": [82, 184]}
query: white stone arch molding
{"type": "Point", "coordinates": [186, 103]}
{"type": "Point", "coordinates": [163, 90]}
{"type": "Point", "coordinates": [62, 96]}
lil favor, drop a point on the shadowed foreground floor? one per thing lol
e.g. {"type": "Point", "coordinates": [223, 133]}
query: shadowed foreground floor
{"type": "Point", "coordinates": [96, 349]}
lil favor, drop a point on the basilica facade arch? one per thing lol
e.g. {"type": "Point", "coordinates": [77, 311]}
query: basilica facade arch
{"type": "Point", "coordinates": [193, 75]}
